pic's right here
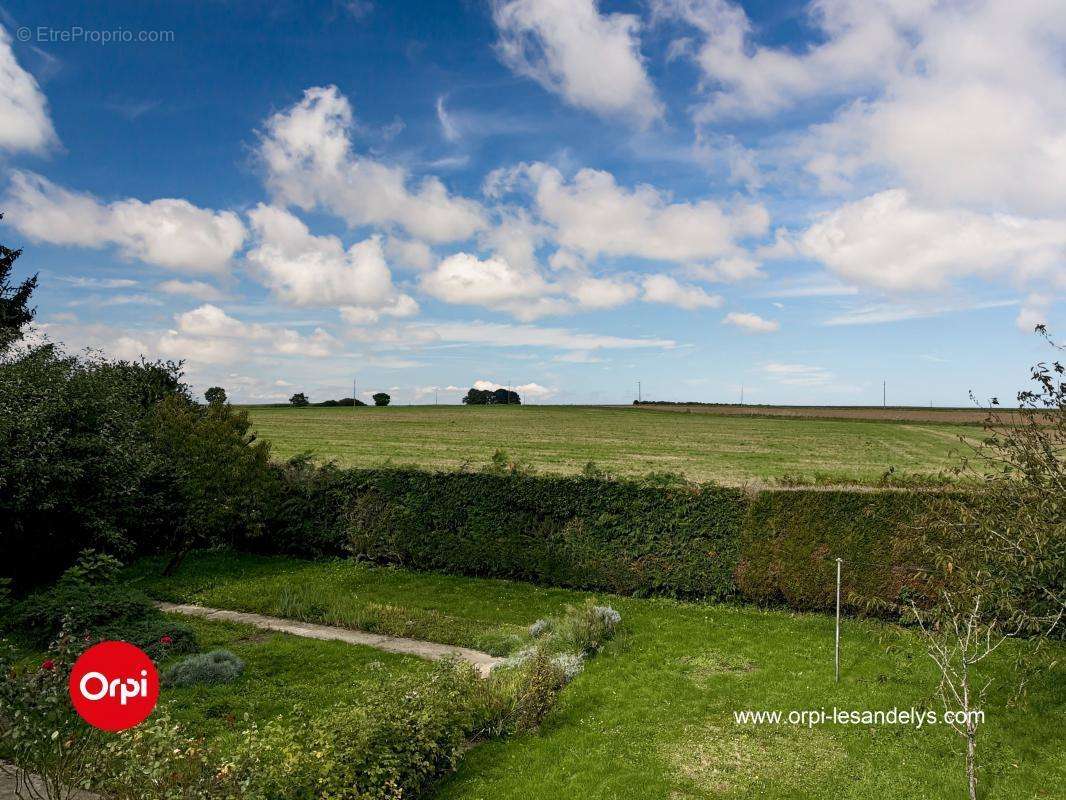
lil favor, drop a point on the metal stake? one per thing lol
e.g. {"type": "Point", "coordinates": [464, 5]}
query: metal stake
{"type": "Point", "coordinates": [839, 562]}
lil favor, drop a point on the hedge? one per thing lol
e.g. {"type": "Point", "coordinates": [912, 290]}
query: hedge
{"type": "Point", "coordinates": [638, 538]}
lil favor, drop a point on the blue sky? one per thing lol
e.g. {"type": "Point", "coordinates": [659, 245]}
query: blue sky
{"type": "Point", "coordinates": [565, 196]}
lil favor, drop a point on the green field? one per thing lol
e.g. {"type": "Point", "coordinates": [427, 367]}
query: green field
{"type": "Point", "coordinates": [652, 715]}
{"type": "Point", "coordinates": [624, 441]}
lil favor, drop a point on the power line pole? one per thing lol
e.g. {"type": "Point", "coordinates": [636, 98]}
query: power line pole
{"type": "Point", "coordinates": [638, 391]}
{"type": "Point", "coordinates": [742, 394]}
{"type": "Point", "coordinates": [353, 392]}
{"type": "Point", "coordinates": [884, 394]}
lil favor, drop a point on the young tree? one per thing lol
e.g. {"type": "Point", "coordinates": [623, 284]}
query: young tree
{"type": "Point", "coordinates": [299, 399]}
{"type": "Point", "coordinates": [999, 548]}
{"type": "Point", "coordinates": [215, 396]}
{"type": "Point", "coordinates": [381, 399]}
{"type": "Point", "coordinates": [15, 312]}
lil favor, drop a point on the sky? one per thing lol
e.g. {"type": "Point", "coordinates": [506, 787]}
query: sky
{"type": "Point", "coordinates": [816, 201]}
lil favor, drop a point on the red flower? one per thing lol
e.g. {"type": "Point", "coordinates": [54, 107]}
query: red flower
{"type": "Point", "coordinates": [49, 665]}
{"type": "Point", "coordinates": [167, 640]}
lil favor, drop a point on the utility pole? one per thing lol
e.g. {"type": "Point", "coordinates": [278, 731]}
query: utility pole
{"type": "Point", "coordinates": [742, 394]}
{"type": "Point", "coordinates": [638, 391]}
{"type": "Point", "coordinates": [353, 393]}
{"type": "Point", "coordinates": [884, 394]}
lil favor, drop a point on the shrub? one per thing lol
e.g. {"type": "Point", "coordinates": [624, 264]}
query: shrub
{"type": "Point", "coordinates": [40, 732]}
{"type": "Point", "coordinates": [393, 745]}
{"type": "Point", "coordinates": [218, 666]}
{"type": "Point", "coordinates": [88, 602]}
{"type": "Point", "coordinates": [585, 629]}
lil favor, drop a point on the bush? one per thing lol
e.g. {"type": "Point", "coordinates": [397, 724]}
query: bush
{"type": "Point", "coordinates": [218, 666]}
{"type": "Point", "coordinates": [88, 602]}
{"type": "Point", "coordinates": [585, 629]}
{"type": "Point", "coordinates": [117, 456]}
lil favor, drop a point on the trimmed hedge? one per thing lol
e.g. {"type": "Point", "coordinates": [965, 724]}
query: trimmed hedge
{"type": "Point", "coordinates": [639, 538]}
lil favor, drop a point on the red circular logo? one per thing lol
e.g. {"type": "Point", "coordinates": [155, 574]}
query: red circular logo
{"type": "Point", "coordinates": [114, 686]}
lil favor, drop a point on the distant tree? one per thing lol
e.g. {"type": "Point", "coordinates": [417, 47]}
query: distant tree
{"type": "Point", "coordinates": [299, 400]}
{"type": "Point", "coordinates": [505, 397]}
{"type": "Point", "coordinates": [215, 396]}
{"type": "Point", "coordinates": [381, 399]}
{"type": "Point", "coordinates": [488, 397]}
{"type": "Point", "coordinates": [478, 397]}
{"type": "Point", "coordinates": [15, 312]}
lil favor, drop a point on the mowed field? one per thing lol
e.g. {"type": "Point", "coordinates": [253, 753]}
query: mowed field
{"type": "Point", "coordinates": [623, 440]}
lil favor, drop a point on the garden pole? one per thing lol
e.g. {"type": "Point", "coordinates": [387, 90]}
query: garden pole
{"type": "Point", "coordinates": [839, 562]}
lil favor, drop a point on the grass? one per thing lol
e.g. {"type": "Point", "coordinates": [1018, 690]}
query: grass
{"type": "Point", "coordinates": [652, 715]}
{"type": "Point", "coordinates": [280, 671]}
{"type": "Point", "coordinates": [624, 441]}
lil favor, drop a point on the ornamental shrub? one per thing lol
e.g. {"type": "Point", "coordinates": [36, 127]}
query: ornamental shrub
{"type": "Point", "coordinates": [218, 666]}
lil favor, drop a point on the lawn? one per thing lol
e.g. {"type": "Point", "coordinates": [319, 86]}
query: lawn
{"type": "Point", "coordinates": [624, 441]}
{"type": "Point", "coordinates": [652, 715]}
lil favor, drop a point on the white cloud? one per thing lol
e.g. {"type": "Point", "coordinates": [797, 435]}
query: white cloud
{"type": "Point", "coordinates": [448, 128]}
{"type": "Point", "coordinates": [420, 334]}
{"type": "Point", "coordinates": [307, 152]}
{"type": "Point", "coordinates": [878, 313]}
{"type": "Point", "coordinates": [409, 253]}
{"type": "Point", "coordinates": [752, 323]}
{"type": "Point", "coordinates": [664, 289]}
{"type": "Point", "coordinates": [861, 44]}
{"type": "Point", "coordinates": [465, 279]}
{"type": "Point", "coordinates": [195, 289]}
{"type": "Point", "coordinates": [1034, 311]}
{"type": "Point", "coordinates": [728, 270]}
{"type": "Point", "coordinates": [307, 270]}
{"type": "Point", "coordinates": [208, 334]}
{"type": "Point", "coordinates": [23, 107]}
{"type": "Point", "coordinates": [599, 293]}
{"type": "Point", "coordinates": [169, 233]}
{"type": "Point", "coordinates": [592, 215]}
{"type": "Point", "coordinates": [888, 241]}
{"type": "Point", "coordinates": [589, 59]}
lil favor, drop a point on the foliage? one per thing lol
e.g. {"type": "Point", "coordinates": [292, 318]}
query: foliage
{"type": "Point", "coordinates": [1005, 545]}
{"type": "Point", "coordinates": [344, 401]}
{"type": "Point", "coordinates": [115, 455]}
{"type": "Point", "coordinates": [491, 397]}
{"type": "Point", "coordinates": [217, 666]}
{"type": "Point", "coordinates": [89, 602]}
{"type": "Point", "coordinates": [15, 311]}
{"type": "Point", "coordinates": [215, 396]}
{"type": "Point", "coordinates": [381, 399]}
{"type": "Point", "coordinates": [40, 732]}
{"type": "Point", "coordinates": [299, 400]}
{"type": "Point", "coordinates": [585, 629]}
{"type": "Point", "coordinates": [392, 745]}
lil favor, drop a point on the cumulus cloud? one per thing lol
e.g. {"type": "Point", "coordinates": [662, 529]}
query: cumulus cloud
{"type": "Point", "coordinates": [599, 293]}
{"type": "Point", "coordinates": [664, 289]}
{"type": "Point", "coordinates": [752, 323]}
{"type": "Point", "coordinates": [208, 334]}
{"type": "Point", "coordinates": [530, 389]}
{"type": "Point", "coordinates": [23, 107]}
{"type": "Point", "coordinates": [593, 216]}
{"type": "Point", "coordinates": [861, 44]}
{"type": "Point", "coordinates": [466, 279]}
{"type": "Point", "coordinates": [309, 161]}
{"type": "Point", "coordinates": [888, 241]}
{"type": "Point", "coordinates": [591, 60]}
{"type": "Point", "coordinates": [169, 233]}
{"type": "Point", "coordinates": [307, 270]}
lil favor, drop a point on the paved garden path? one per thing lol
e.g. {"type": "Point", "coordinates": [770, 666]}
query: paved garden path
{"type": "Point", "coordinates": [393, 644]}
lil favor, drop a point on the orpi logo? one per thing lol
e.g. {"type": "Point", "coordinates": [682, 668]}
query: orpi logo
{"type": "Point", "coordinates": [114, 686]}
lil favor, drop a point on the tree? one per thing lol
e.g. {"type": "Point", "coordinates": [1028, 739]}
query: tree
{"type": "Point", "coordinates": [505, 397]}
{"type": "Point", "coordinates": [489, 397]}
{"type": "Point", "coordinates": [299, 400]}
{"type": "Point", "coordinates": [215, 396]}
{"type": "Point", "coordinates": [478, 397]}
{"type": "Point", "coordinates": [381, 399]}
{"type": "Point", "coordinates": [15, 312]}
{"type": "Point", "coordinates": [998, 550]}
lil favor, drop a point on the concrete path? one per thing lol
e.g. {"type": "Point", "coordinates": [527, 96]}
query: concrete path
{"type": "Point", "coordinates": [392, 644]}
